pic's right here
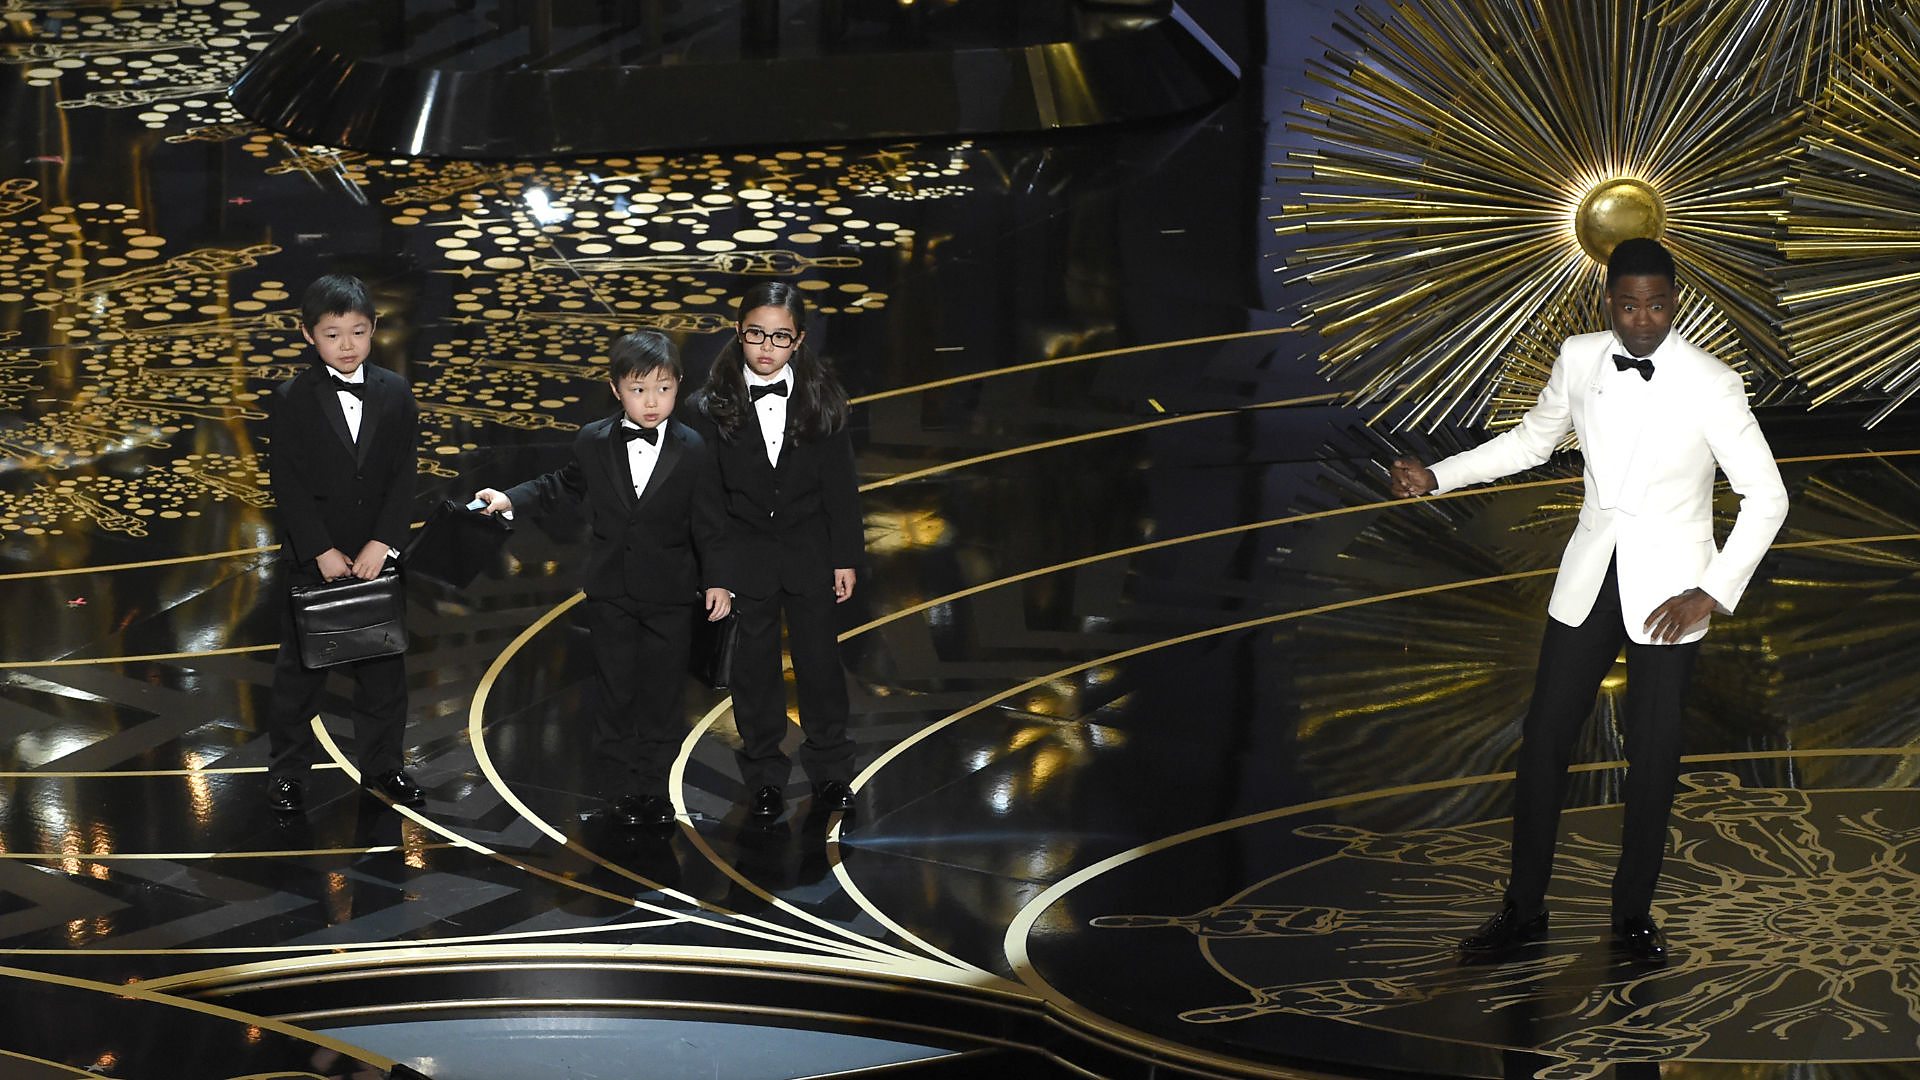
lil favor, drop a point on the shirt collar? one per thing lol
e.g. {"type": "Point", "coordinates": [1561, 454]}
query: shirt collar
{"type": "Point", "coordinates": [661, 427]}
{"type": "Point", "coordinates": [359, 375]}
{"type": "Point", "coordinates": [1662, 351]}
{"type": "Point", "coordinates": [754, 379]}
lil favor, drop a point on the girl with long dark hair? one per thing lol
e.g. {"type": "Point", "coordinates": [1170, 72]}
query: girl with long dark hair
{"type": "Point", "coordinates": [777, 419]}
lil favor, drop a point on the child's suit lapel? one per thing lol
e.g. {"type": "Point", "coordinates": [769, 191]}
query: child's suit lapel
{"type": "Point", "coordinates": [372, 404]}
{"type": "Point", "coordinates": [614, 459]}
{"type": "Point", "coordinates": [327, 400]}
{"type": "Point", "coordinates": [670, 455]}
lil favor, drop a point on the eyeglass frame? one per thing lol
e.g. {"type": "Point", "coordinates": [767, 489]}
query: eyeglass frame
{"type": "Point", "coordinates": [770, 336]}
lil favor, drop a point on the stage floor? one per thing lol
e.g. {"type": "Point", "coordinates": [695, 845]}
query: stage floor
{"type": "Point", "coordinates": [1182, 746]}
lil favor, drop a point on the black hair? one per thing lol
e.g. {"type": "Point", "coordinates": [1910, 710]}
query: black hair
{"type": "Point", "coordinates": [641, 353]}
{"type": "Point", "coordinates": [817, 406]}
{"type": "Point", "coordinates": [1640, 255]}
{"type": "Point", "coordinates": [335, 294]}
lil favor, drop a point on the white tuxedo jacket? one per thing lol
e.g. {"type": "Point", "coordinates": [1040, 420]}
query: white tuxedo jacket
{"type": "Point", "coordinates": [1650, 449]}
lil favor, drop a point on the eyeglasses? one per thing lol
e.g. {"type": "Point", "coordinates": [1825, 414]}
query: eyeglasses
{"type": "Point", "coordinates": [782, 339]}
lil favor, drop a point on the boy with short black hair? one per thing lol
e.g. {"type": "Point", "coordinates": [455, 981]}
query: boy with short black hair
{"type": "Point", "coordinates": [653, 493]}
{"type": "Point", "coordinates": [344, 434]}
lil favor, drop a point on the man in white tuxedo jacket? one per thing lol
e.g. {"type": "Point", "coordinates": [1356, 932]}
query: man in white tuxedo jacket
{"type": "Point", "coordinates": [1654, 415]}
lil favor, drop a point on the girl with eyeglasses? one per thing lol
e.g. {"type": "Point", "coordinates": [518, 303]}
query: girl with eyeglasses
{"type": "Point", "coordinates": [777, 419]}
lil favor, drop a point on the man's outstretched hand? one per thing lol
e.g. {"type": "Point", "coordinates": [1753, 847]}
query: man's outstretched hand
{"type": "Point", "coordinates": [1675, 617]}
{"type": "Point", "coordinates": [1408, 477]}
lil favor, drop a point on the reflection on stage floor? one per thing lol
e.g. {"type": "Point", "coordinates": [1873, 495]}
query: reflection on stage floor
{"type": "Point", "coordinates": [1182, 746]}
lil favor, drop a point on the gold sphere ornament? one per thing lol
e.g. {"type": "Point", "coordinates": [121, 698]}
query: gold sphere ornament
{"type": "Point", "coordinates": [1617, 210]}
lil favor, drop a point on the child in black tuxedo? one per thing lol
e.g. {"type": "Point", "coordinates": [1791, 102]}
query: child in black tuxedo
{"type": "Point", "coordinates": [344, 434]}
{"type": "Point", "coordinates": [651, 490]}
{"type": "Point", "coordinates": [778, 420]}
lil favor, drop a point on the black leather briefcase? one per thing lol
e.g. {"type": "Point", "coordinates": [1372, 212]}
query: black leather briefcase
{"type": "Point", "coordinates": [350, 619]}
{"type": "Point", "coordinates": [457, 545]}
{"type": "Point", "coordinates": [711, 660]}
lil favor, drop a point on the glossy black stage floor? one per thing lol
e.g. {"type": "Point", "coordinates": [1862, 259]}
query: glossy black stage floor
{"type": "Point", "coordinates": [1182, 746]}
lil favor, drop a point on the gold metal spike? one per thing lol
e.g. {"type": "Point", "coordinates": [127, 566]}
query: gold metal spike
{"type": "Point", "coordinates": [1797, 41]}
{"type": "Point", "coordinates": [1853, 228]}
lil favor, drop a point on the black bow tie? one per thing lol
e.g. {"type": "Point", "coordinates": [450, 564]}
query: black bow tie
{"type": "Point", "coordinates": [650, 434]}
{"type": "Point", "coordinates": [755, 393]}
{"type": "Point", "coordinates": [357, 389]}
{"type": "Point", "coordinates": [1644, 367]}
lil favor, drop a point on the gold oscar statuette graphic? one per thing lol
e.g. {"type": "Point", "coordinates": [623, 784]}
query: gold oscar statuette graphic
{"type": "Point", "coordinates": [139, 96]}
{"type": "Point", "coordinates": [203, 262]}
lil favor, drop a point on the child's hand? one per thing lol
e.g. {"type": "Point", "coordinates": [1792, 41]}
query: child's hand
{"type": "Point", "coordinates": [371, 560]}
{"type": "Point", "coordinates": [719, 602]}
{"type": "Point", "coordinates": [497, 502]}
{"type": "Point", "coordinates": [842, 585]}
{"type": "Point", "coordinates": [333, 565]}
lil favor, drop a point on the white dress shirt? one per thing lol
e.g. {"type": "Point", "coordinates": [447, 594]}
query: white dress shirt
{"type": "Point", "coordinates": [350, 405]}
{"type": "Point", "coordinates": [772, 409]}
{"type": "Point", "coordinates": [1620, 403]}
{"type": "Point", "coordinates": [642, 455]}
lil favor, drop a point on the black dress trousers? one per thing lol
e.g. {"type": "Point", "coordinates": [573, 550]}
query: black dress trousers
{"type": "Point", "coordinates": [1573, 661]}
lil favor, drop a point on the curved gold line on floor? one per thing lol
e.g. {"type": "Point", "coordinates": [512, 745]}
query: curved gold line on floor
{"type": "Point", "coordinates": [174, 560]}
{"type": "Point", "coordinates": [413, 955]}
{"type": "Point", "coordinates": [1091, 436]}
{"type": "Point", "coordinates": [1018, 931]}
{"type": "Point", "coordinates": [89, 661]}
{"type": "Point", "coordinates": [70, 1070]}
{"type": "Point", "coordinates": [1186, 538]}
{"type": "Point", "coordinates": [677, 793]}
{"type": "Point", "coordinates": [476, 738]}
{"type": "Point", "coordinates": [333, 751]}
{"type": "Point", "coordinates": [108, 568]}
{"type": "Point", "coordinates": [343, 947]}
{"type": "Point", "coordinates": [90, 774]}
{"type": "Point", "coordinates": [143, 992]}
{"type": "Point", "coordinates": [1014, 369]}
{"type": "Point", "coordinates": [879, 914]}
{"type": "Point", "coordinates": [193, 856]}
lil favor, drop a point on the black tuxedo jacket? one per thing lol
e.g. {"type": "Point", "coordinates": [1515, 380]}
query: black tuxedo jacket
{"type": "Point", "coordinates": [329, 490]}
{"type": "Point", "coordinates": [789, 526]}
{"type": "Point", "coordinates": [662, 546]}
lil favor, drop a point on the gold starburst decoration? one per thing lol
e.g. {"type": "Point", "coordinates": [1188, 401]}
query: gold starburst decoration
{"type": "Point", "coordinates": [1853, 232]}
{"type": "Point", "coordinates": [1479, 160]}
{"type": "Point", "coordinates": [1797, 42]}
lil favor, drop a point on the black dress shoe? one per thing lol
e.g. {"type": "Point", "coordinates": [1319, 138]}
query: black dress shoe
{"type": "Point", "coordinates": [1506, 930]}
{"type": "Point", "coordinates": [399, 787]}
{"type": "Point", "coordinates": [635, 811]}
{"type": "Point", "coordinates": [284, 794]}
{"type": "Point", "coordinates": [768, 805]}
{"type": "Point", "coordinates": [1641, 939]}
{"type": "Point", "coordinates": [833, 795]}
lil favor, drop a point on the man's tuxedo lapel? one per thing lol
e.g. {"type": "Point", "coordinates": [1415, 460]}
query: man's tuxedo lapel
{"type": "Point", "coordinates": [1618, 417]}
{"type": "Point", "coordinates": [670, 454]}
{"type": "Point", "coordinates": [327, 400]}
